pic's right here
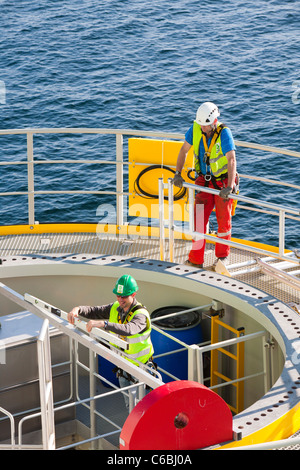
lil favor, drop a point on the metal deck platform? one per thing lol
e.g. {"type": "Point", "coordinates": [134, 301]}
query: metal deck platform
{"type": "Point", "coordinates": [60, 244]}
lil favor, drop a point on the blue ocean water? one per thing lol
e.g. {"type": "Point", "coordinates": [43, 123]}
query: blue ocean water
{"type": "Point", "coordinates": [147, 66]}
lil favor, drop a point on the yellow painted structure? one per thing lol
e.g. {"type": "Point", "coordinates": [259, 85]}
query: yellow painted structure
{"type": "Point", "coordinates": [110, 229]}
{"type": "Point", "coordinates": [143, 154]}
{"type": "Point", "coordinates": [282, 428]}
{"type": "Point", "coordinates": [106, 229]}
{"type": "Point", "coordinates": [239, 359]}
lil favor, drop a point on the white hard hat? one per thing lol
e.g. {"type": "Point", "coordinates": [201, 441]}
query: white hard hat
{"type": "Point", "coordinates": [207, 113]}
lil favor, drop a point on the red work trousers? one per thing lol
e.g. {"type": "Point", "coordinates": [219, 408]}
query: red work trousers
{"type": "Point", "coordinates": [204, 204]}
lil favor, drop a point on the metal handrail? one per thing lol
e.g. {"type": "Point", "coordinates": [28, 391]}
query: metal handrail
{"type": "Point", "coordinates": [46, 387]}
{"type": "Point", "coordinates": [167, 135]}
{"type": "Point", "coordinates": [248, 200]}
{"type": "Point", "coordinates": [196, 235]}
{"type": "Point", "coordinates": [196, 356]}
{"type": "Point", "coordinates": [194, 352]}
{"type": "Point", "coordinates": [69, 405]}
{"type": "Point", "coordinates": [119, 162]}
{"type": "Point", "coordinates": [12, 424]}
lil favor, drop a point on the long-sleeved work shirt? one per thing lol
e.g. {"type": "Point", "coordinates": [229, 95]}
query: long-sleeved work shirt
{"type": "Point", "coordinates": [135, 326]}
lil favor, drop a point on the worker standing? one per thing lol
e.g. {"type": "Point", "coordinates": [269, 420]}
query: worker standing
{"type": "Point", "coordinates": [215, 166]}
{"type": "Point", "coordinates": [125, 317]}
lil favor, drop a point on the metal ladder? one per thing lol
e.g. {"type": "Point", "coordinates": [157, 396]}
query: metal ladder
{"type": "Point", "coordinates": [271, 266]}
{"type": "Point", "coordinates": [239, 357]}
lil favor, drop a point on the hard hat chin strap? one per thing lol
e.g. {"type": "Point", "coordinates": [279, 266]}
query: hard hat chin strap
{"type": "Point", "coordinates": [215, 124]}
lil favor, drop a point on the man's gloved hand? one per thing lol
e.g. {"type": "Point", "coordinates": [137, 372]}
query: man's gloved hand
{"type": "Point", "coordinates": [178, 180]}
{"type": "Point", "coordinates": [225, 192]}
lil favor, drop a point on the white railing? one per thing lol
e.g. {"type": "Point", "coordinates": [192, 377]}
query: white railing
{"type": "Point", "coordinates": [46, 387]}
{"type": "Point", "coordinates": [196, 360]}
{"type": "Point", "coordinates": [281, 212]}
{"type": "Point", "coordinates": [56, 317]}
{"type": "Point", "coordinates": [89, 402]}
{"type": "Point", "coordinates": [119, 163]}
{"type": "Point", "coordinates": [12, 426]}
{"type": "Point", "coordinates": [77, 334]}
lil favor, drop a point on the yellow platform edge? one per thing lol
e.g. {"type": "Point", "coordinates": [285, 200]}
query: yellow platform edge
{"type": "Point", "coordinates": [110, 229]}
{"type": "Point", "coordinates": [282, 428]}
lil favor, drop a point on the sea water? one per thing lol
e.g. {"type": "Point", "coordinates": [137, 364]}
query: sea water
{"type": "Point", "coordinates": [146, 66]}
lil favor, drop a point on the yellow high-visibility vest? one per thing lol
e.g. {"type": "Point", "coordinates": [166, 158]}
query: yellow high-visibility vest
{"type": "Point", "coordinates": [140, 345]}
{"type": "Point", "coordinates": [216, 160]}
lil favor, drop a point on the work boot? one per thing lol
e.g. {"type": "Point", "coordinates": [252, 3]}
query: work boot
{"type": "Point", "coordinates": [224, 260]}
{"type": "Point", "coordinates": [189, 263]}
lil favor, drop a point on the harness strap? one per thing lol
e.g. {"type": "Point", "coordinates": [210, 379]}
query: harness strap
{"type": "Point", "coordinates": [127, 320]}
{"type": "Point", "coordinates": [130, 314]}
{"type": "Point", "coordinates": [214, 180]}
{"type": "Point", "coordinates": [213, 140]}
{"type": "Point", "coordinates": [207, 152]}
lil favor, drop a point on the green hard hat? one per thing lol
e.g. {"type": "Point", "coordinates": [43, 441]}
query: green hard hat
{"type": "Point", "coordinates": [126, 285]}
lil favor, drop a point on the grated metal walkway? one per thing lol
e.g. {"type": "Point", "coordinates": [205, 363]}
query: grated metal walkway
{"type": "Point", "coordinates": [55, 244]}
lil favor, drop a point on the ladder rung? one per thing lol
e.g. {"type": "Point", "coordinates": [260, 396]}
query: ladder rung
{"type": "Point", "coordinates": [239, 358]}
{"type": "Point", "coordinates": [233, 409]}
{"type": "Point", "coordinates": [227, 353]}
{"type": "Point", "coordinates": [226, 379]}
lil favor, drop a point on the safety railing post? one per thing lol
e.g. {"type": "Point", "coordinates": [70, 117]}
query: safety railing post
{"type": "Point", "coordinates": [92, 360]}
{"type": "Point", "coordinates": [195, 364]}
{"type": "Point", "coordinates": [171, 219]}
{"type": "Point", "coordinates": [30, 177]}
{"type": "Point", "coordinates": [132, 398]}
{"type": "Point", "coordinates": [46, 389]}
{"type": "Point", "coordinates": [161, 218]}
{"type": "Point", "coordinates": [191, 210]}
{"type": "Point", "coordinates": [12, 425]}
{"type": "Point", "coordinates": [281, 232]}
{"type": "Point", "coordinates": [267, 361]}
{"type": "Point", "coordinates": [119, 177]}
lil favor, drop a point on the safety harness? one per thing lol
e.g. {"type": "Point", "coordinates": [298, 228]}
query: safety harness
{"type": "Point", "coordinates": [150, 363]}
{"type": "Point", "coordinates": [129, 315]}
{"type": "Point", "coordinates": [208, 176]}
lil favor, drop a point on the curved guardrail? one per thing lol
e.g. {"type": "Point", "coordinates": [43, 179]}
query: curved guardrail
{"type": "Point", "coordinates": [119, 162]}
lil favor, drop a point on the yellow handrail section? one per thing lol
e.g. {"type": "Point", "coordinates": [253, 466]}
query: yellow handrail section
{"type": "Point", "coordinates": [239, 357]}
